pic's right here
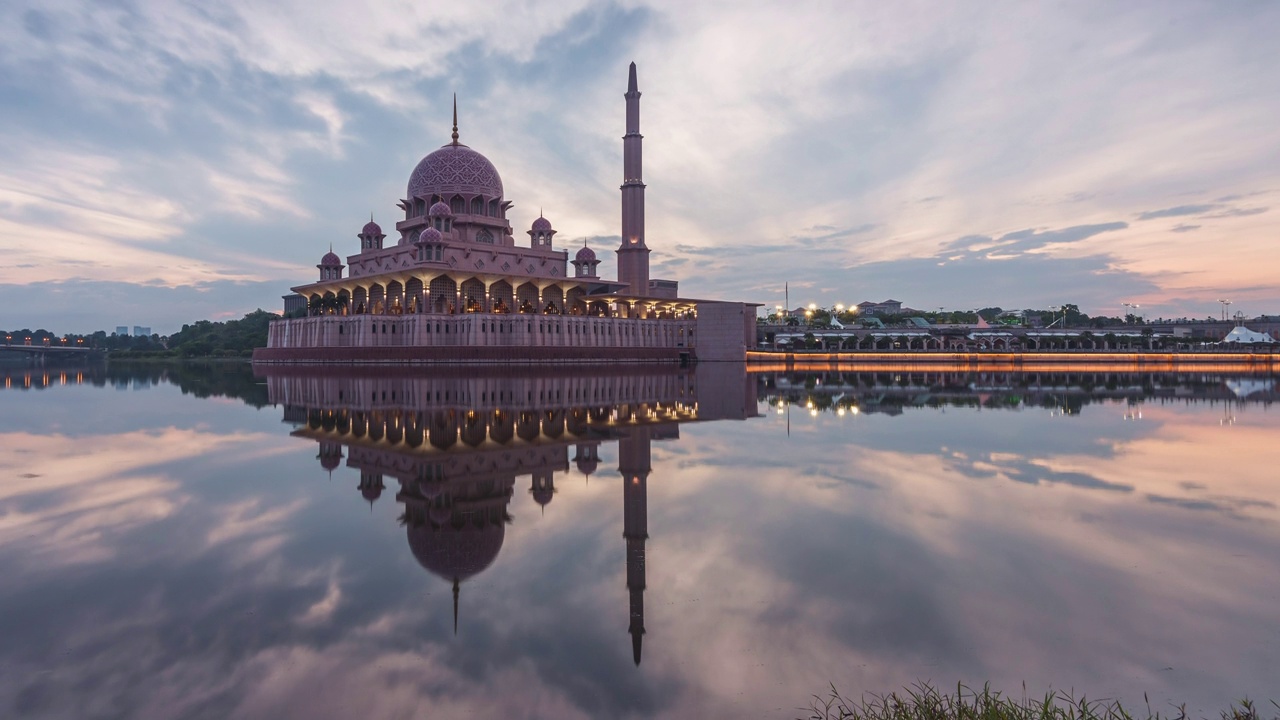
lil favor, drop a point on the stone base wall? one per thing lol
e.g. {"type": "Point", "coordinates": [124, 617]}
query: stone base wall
{"type": "Point", "coordinates": [409, 355]}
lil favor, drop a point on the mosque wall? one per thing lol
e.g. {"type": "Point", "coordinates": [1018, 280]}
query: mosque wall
{"type": "Point", "coordinates": [725, 330]}
{"type": "Point", "coordinates": [510, 262]}
{"type": "Point", "coordinates": [479, 331]}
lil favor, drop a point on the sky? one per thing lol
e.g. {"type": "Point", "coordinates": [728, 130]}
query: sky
{"type": "Point", "coordinates": [164, 162]}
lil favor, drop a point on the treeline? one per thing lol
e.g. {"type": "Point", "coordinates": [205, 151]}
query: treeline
{"type": "Point", "coordinates": [233, 338]}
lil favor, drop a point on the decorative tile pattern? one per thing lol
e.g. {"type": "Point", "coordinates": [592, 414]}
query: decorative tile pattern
{"type": "Point", "coordinates": [455, 169]}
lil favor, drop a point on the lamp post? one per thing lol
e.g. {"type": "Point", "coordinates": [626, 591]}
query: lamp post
{"type": "Point", "coordinates": [1225, 304]}
{"type": "Point", "coordinates": [1130, 312]}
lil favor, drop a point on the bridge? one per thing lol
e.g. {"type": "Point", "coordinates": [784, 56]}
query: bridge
{"type": "Point", "coordinates": [41, 353]}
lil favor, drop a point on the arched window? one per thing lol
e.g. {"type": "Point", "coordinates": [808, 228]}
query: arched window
{"type": "Point", "coordinates": [456, 205]}
{"type": "Point", "coordinates": [477, 206]}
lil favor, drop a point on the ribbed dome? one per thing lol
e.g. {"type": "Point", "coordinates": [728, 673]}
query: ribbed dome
{"type": "Point", "coordinates": [586, 254]}
{"type": "Point", "coordinates": [440, 209]}
{"type": "Point", "coordinates": [330, 259]}
{"type": "Point", "coordinates": [371, 228]}
{"type": "Point", "coordinates": [455, 169]}
{"type": "Point", "coordinates": [541, 224]}
{"type": "Point", "coordinates": [430, 235]}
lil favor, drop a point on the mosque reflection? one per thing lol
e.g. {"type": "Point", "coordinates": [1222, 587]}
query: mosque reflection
{"type": "Point", "coordinates": [455, 445]}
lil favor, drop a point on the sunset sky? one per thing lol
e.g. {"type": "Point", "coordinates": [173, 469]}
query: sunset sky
{"type": "Point", "coordinates": [165, 162]}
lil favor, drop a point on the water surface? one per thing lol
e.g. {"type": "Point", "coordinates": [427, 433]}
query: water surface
{"type": "Point", "coordinates": [195, 541]}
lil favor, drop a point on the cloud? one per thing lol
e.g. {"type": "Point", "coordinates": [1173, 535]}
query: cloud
{"type": "Point", "coordinates": [187, 143]}
{"type": "Point", "coordinates": [1177, 211]}
{"type": "Point", "coordinates": [1238, 212]}
{"type": "Point", "coordinates": [1183, 227]}
{"type": "Point", "coordinates": [1022, 241]}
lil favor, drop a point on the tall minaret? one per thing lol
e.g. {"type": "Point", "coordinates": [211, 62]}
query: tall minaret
{"type": "Point", "coordinates": [633, 255]}
{"type": "Point", "coordinates": [633, 464]}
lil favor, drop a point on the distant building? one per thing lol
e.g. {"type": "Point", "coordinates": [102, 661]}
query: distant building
{"type": "Point", "coordinates": [888, 307]}
{"type": "Point", "coordinates": [141, 331]}
{"type": "Point", "coordinates": [122, 330]}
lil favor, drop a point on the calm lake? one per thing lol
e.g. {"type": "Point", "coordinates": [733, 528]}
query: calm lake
{"type": "Point", "coordinates": [197, 541]}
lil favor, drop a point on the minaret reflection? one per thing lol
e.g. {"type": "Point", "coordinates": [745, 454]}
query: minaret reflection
{"type": "Point", "coordinates": [634, 465]}
{"type": "Point", "coordinates": [457, 445]}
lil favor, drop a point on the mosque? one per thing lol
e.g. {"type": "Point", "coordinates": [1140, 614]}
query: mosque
{"type": "Point", "coordinates": [454, 285]}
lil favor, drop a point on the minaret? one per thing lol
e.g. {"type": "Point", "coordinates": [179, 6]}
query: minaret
{"type": "Point", "coordinates": [633, 254]}
{"type": "Point", "coordinates": [633, 464]}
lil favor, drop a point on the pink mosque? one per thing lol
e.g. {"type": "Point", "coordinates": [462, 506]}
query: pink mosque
{"type": "Point", "coordinates": [455, 286]}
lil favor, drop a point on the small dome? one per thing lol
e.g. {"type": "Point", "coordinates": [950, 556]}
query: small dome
{"type": "Point", "coordinates": [330, 462]}
{"type": "Point", "coordinates": [371, 228]}
{"type": "Point", "coordinates": [587, 466]}
{"type": "Point", "coordinates": [371, 492]}
{"type": "Point", "coordinates": [430, 489]}
{"type": "Point", "coordinates": [542, 495]}
{"type": "Point", "coordinates": [586, 254]}
{"type": "Point", "coordinates": [541, 225]}
{"type": "Point", "coordinates": [440, 515]}
{"type": "Point", "coordinates": [430, 235]}
{"type": "Point", "coordinates": [440, 209]}
{"type": "Point", "coordinates": [330, 259]}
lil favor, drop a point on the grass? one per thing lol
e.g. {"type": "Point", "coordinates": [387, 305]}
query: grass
{"type": "Point", "coordinates": [926, 702]}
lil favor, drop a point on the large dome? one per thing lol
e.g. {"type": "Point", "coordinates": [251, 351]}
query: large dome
{"type": "Point", "coordinates": [455, 553]}
{"type": "Point", "coordinates": [455, 169]}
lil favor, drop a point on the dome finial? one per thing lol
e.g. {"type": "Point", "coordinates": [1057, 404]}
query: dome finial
{"type": "Point", "coordinates": [455, 606]}
{"type": "Point", "coordinates": [455, 118]}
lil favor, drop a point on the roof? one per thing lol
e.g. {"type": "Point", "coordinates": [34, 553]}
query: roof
{"type": "Point", "coordinates": [1242, 334]}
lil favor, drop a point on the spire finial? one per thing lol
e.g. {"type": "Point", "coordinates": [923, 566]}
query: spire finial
{"type": "Point", "coordinates": [455, 118]}
{"type": "Point", "coordinates": [631, 79]}
{"type": "Point", "coordinates": [455, 606]}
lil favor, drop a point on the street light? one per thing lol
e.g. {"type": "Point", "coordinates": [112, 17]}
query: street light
{"type": "Point", "coordinates": [1133, 307]}
{"type": "Point", "coordinates": [1225, 304]}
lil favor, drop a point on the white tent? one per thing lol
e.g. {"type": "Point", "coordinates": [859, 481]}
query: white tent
{"type": "Point", "coordinates": [1245, 336]}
